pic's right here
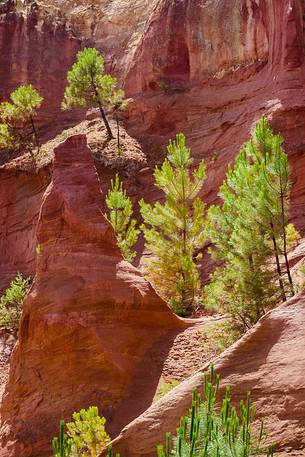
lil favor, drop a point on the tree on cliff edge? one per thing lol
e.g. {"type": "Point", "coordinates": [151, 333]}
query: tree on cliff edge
{"type": "Point", "coordinates": [89, 86]}
{"type": "Point", "coordinates": [18, 130]}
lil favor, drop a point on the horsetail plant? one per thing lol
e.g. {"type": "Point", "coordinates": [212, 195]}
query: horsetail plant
{"type": "Point", "coordinates": [210, 432]}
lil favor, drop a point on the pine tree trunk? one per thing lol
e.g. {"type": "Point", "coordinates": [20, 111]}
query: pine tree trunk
{"type": "Point", "coordinates": [106, 123]}
{"type": "Point", "coordinates": [285, 244]}
{"type": "Point", "coordinates": [278, 266]}
{"type": "Point", "coordinates": [118, 132]}
{"type": "Point", "coordinates": [103, 115]}
{"type": "Point", "coordinates": [35, 133]}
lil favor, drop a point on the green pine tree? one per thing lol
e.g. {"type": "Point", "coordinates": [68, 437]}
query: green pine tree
{"type": "Point", "coordinates": [89, 86]}
{"type": "Point", "coordinates": [120, 217]}
{"type": "Point", "coordinates": [250, 228]}
{"type": "Point", "coordinates": [173, 230]}
{"type": "Point", "coordinates": [17, 129]}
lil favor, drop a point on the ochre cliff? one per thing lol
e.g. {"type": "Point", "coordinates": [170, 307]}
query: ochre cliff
{"type": "Point", "coordinates": [21, 191]}
{"type": "Point", "coordinates": [91, 324]}
{"type": "Point", "coordinates": [37, 50]}
{"type": "Point", "coordinates": [210, 69]}
{"type": "Point", "coordinates": [269, 361]}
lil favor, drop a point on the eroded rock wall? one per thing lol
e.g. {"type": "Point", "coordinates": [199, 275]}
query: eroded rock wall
{"type": "Point", "coordinates": [211, 70]}
{"type": "Point", "coordinates": [38, 50]}
{"type": "Point", "coordinates": [269, 361]}
{"type": "Point", "coordinates": [91, 326]}
{"type": "Point", "coordinates": [21, 191]}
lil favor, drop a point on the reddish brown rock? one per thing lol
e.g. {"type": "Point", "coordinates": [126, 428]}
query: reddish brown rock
{"type": "Point", "coordinates": [269, 360]}
{"type": "Point", "coordinates": [37, 49]}
{"type": "Point", "coordinates": [212, 69]}
{"type": "Point", "coordinates": [91, 323]}
{"type": "Point", "coordinates": [21, 191]}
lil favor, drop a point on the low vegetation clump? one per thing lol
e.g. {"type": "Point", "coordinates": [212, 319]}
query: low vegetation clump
{"type": "Point", "coordinates": [85, 436]}
{"type": "Point", "coordinates": [18, 131]}
{"type": "Point", "coordinates": [219, 335]}
{"type": "Point", "coordinates": [173, 230]}
{"type": "Point", "coordinates": [208, 430]}
{"type": "Point", "coordinates": [90, 87]}
{"type": "Point", "coordinates": [165, 387]}
{"type": "Point", "coordinates": [11, 302]}
{"type": "Point", "coordinates": [120, 216]}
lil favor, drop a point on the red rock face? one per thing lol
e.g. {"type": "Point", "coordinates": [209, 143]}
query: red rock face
{"type": "Point", "coordinates": [269, 361]}
{"type": "Point", "coordinates": [239, 60]}
{"type": "Point", "coordinates": [91, 325]}
{"type": "Point", "coordinates": [40, 53]}
{"type": "Point", "coordinates": [21, 191]}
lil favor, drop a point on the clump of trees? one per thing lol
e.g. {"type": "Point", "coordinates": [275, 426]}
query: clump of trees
{"type": "Point", "coordinates": [90, 87]}
{"type": "Point", "coordinates": [11, 302]}
{"type": "Point", "coordinates": [250, 231]}
{"type": "Point", "coordinates": [120, 216]}
{"type": "Point", "coordinates": [206, 431]}
{"type": "Point", "coordinates": [173, 229]}
{"type": "Point", "coordinates": [17, 128]}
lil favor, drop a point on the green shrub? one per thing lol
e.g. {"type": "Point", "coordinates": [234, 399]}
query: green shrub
{"type": "Point", "coordinates": [120, 216]}
{"type": "Point", "coordinates": [11, 302]}
{"type": "Point", "coordinates": [207, 431]}
{"type": "Point", "coordinates": [211, 432]}
{"type": "Point", "coordinates": [17, 128]}
{"type": "Point", "coordinates": [85, 436]}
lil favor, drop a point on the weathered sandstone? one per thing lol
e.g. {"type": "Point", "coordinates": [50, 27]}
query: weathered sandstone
{"type": "Point", "coordinates": [21, 191]}
{"type": "Point", "coordinates": [91, 324]}
{"type": "Point", "coordinates": [269, 361]}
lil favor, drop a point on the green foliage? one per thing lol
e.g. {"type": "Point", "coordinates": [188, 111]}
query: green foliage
{"type": "Point", "coordinates": [249, 229]}
{"type": "Point", "coordinates": [292, 235]}
{"type": "Point", "coordinates": [11, 302]}
{"type": "Point", "coordinates": [165, 387]}
{"type": "Point", "coordinates": [89, 86]}
{"type": "Point", "coordinates": [120, 217]}
{"type": "Point", "coordinates": [85, 437]}
{"type": "Point", "coordinates": [61, 446]}
{"type": "Point", "coordinates": [219, 335]}
{"type": "Point", "coordinates": [17, 130]}
{"type": "Point", "coordinates": [173, 229]}
{"type": "Point", "coordinates": [209, 432]}
{"type": "Point", "coordinates": [163, 86]}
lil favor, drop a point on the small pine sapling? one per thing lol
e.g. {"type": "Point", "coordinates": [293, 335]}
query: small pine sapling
{"type": "Point", "coordinates": [90, 87]}
{"type": "Point", "coordinates": [85, 436]}
{"type": "Point", "coordinates": [120, 217]}
{"type": "Point", "coordinates": [18, 130]}
{"type": "Point", "coordinates": [12, 300]}
{"type": "Point", "coordinates": [173, 230]}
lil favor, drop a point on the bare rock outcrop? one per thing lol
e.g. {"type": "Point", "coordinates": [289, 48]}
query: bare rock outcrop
{"type": "Point", "coordinates": [37, 49]}
{"type": "Point", "coordinates": [91, 324]}
{"type": "Point", "coordinates": [211, 70]}
{"type": "Point", "coordinates": [269, 361]}
{"type": "Point", "coordinates": [21, 191]}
